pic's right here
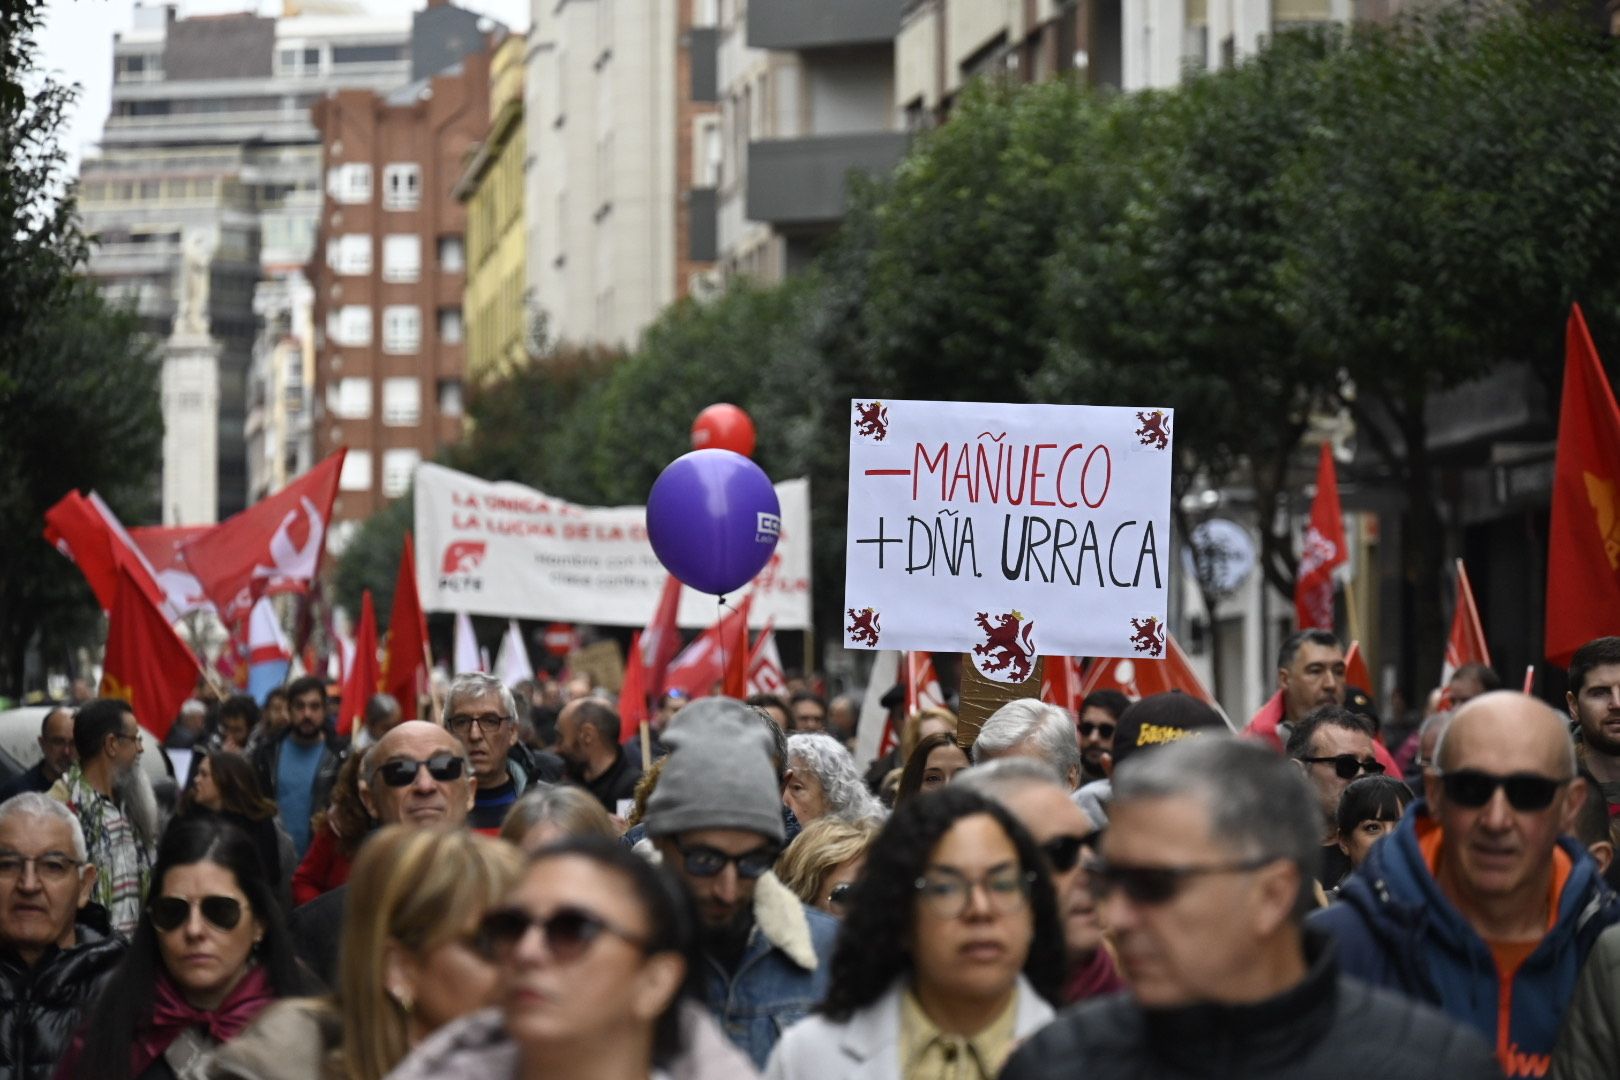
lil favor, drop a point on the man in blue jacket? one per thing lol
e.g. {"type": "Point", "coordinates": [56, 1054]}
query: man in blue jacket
{"type": "Point", "coordinates": [1478, 902]}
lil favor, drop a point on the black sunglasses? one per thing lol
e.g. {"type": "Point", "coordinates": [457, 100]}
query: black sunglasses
{"type": "Point", "coordinates": [401, 772]}
{"type": "Point", "coordinates": [171, 912]}
{"type": "Point", "coordinates": [1348, 766]}
{"type": "Point", "coordinates": [1087, 728]}
{"type": "Point", "coordinates": [707, 861]}
{"type": "Point", "coordinates": [840, 895]}
{"type": "Point", "coordinates": [1525, 791]}
{"type": "Point", "coordinates": [568, 932]}
{"type": "Point", "coordinates": [1063, 852]}
{"type": "Point", "coordinates": [1152, 885]}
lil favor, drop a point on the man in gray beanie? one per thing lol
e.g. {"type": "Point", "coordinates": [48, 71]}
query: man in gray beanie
{"type": "Point", "coordinates": [716, 819]}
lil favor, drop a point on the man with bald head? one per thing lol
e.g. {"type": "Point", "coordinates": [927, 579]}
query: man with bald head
{"type": "Point", "coordinates": [1479, 902]}
{"type": "Point", "coordinates": [417, 774]}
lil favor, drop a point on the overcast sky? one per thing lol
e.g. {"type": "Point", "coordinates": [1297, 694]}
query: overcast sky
{"type": "Point", "coordinates": [76, 46]}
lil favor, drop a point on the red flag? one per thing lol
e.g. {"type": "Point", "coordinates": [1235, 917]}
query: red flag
{"type": "Point", "coordinates": [146, 663]}
{"type": "Point", "coordinates": [922, 684]}
{"type": "Point", "coordinates": [662, 638]}
{"type": "Point", "coordinates": [1324, 550]}
{"type": "Point", "coordinates": [406, 665]}
{"type": "Point", "coordinates": [1137, 678]}
{"type": "Point", "coordinates": [1466, 645]}
{"type": "Point", "coordinates": [1583, 543]}
{"type": "Point", "coordinates": [1060, 683]}
{"type": "Point", "coordinates": [765, 675]}
{"type": "Point", "coordinates": [273, 546]}
{"type": "Point", "coordinates": [1355, 668]}
{"type": "Point", "coordinates": [161, 544]}
{"type": "Point", "coordinates": [706, 660]}
{"type": "Point", "coordinates": [632, 692]}
{"type": "Point", "coordinates": [363, 677]}
{"type": "Point", "coordinates": [734, 644]}
{"type": "Point", "coordinates": [87, 531]}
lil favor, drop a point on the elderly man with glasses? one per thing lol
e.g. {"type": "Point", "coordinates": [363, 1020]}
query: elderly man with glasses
{"type": "Point", "coordinates": [1479, 902]}
{"type": "Point", "coordinates": [1204, 879]}
{"type": "Point", "coordinates": [482, 714]}
{"type": "Point", "coordinates": [417, 774]}
{"type": "Point", "coordinates": [54, 957]}
{"type": "Point", "coordinates": [1334, 746]}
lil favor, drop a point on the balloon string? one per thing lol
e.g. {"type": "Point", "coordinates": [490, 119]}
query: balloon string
{"type": "Point", "coordinates": [720, 633]}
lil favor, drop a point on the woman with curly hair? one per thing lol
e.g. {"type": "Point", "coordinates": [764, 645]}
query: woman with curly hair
{"type": "Point", "coordinates": [951, 953]}
{"type": "Point", "coordinates": [337, 833]}
{"type": "Point", "coordinates": [821, 779]}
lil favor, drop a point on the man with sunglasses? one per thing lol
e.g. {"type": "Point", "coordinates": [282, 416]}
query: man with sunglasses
{"type": "Point", "coordinates": [1333, 746]}
{"type": "Point", "coordinates": [716, 819]}
{"type": "Point", "coordinates": [418, 775]}
{"type": "Point", "coordinates": [1205, 879]}
{"type": "Point", "coordinates": [1033, 793]}
{"type": "Point", "coordinates": [1099, 718]}
{"type": "Point", "coordinates": [1479, 902]}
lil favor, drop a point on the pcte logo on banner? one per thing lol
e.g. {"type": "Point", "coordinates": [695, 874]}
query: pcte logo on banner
{"type": "Point", "coordinates": [461, 559]}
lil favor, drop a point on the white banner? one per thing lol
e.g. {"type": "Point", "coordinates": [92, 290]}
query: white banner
{"type": "Point", "coordinates": [1008, 532]}
{"type": "Point", "coordinates": [509, 550]}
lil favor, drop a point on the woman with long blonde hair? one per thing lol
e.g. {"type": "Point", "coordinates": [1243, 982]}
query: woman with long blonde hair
{"type": "Point", "coordinates": [408, 964]}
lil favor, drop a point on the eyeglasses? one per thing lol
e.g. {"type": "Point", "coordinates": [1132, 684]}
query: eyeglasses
{"type": "Point", "coordinates": [1525, 791]}
{"type": "Point", "coordinates": [488, 723]}
{"type": "Point", "coordinates": [947, 893]}
{"type": "Point", "coordinates": [1348, 766]}
{"type": "Point", "coordinates": [171, 912]}
{"type": "Point", "coordinates": [1063, 852]}
{"type": "Point", "coordinates": [1088, 729]}
{"type": "Point", "coordinates": [708, 861]}
{"type": "Point", "coordinates": [126, 736]}
{"type": "Point", "coordinates": [568, 932]}
{"type": "Point", "coordinates": [1151, 885]}
{"type": "Point", "coordinates": [50, 868]}
{"type": "Point", "coordinates": [401, 772]}
{"type": "Point", "coordinates": [840, 895]}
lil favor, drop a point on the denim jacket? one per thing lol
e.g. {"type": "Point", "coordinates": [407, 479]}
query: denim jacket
{"type": "Point", "coordinates": [782, 975]}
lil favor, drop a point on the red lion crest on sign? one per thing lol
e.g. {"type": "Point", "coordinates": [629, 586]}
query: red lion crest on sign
{"type": "Point", "coordinates": [864, 627]}
{"type": "Point", "coordinates": [1155, 429]}
{"type": "Point", "coordinates": [1009, 644]}
{"type": "Point", "coordinates": [871, 420]}
{"type": "Point", "coordinates": [1148, 636]}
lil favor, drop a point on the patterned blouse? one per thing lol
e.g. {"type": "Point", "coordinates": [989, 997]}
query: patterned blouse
{"type": "Point", "coordinates": [123, 862]}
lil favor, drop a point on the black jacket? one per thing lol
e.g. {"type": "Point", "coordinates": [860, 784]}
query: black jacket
{"type": "Point", "coordinates": [317, 932]}
{"type": "Point", "coordinates": [40, 1007]}
{"type": "Point", "coordinates": [1329, 1027]}
{"type": "Point", "coordinates": [264, 757]}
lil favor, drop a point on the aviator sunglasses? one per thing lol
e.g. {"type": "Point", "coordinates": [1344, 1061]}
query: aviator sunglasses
{"type": "Point", "coordinates": [169, 913]}
{"type": "Point", "coordinates": [568, 932]}
{"type": "Point", "coordinates": [1525, 791]}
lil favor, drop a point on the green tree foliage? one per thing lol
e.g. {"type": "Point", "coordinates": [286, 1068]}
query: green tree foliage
{"type": "Point", "coordinates": [78, 385]}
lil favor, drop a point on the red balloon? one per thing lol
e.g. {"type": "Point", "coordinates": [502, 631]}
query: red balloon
{"type": "Point", "coordinates": [723, 427]}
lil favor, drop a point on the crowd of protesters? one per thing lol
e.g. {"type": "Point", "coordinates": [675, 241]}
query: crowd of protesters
{"type": "Point", "coordinates": [1130, 890]}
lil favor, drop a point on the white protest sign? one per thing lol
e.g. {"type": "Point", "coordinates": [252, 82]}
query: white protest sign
{"type": "Point", "coordinates": [1008, 532]}
{"type": "Point", "coordinates": [509, 550]}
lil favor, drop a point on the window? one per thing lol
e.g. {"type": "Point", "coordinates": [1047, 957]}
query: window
{"type": "Point", "coordinates": [451, 329]}
{"type": "Point", "coordinates": [402, 329]}
{"type": "Point", "coordinates": [452, 254]}
{"type": "Point", "coordinates": [402, 257]}
{"type": "Point", "coordinates": [402, 402]}
{"type": "Point", "coordinates": [402, 186]}
{"type": "Point", "coordinates": [350, 254]}
{"type": "Point", "coordinates": [367, 54]}
{"type": "Point", "coordinates": [354, 325]}
{"type": "Point", "coordinates": [398, 468]}
{"type": "Point", "coordinates": [351, 183]}
{"type": "Point", "coordinates": [450, 397]}
{"type": "Point", "coordinates": [356, 474]}
{"type": "Point", "coordinates": [350, 399]}
{"type": "Point", "coordinates": [708, 150]}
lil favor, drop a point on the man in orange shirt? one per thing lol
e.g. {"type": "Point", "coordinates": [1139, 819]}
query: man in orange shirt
{"type": "Point", "coordinates": [1478, 902]}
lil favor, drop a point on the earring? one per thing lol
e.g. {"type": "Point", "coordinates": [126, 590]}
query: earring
{"type": "Point", "coordinates": [402, 998]}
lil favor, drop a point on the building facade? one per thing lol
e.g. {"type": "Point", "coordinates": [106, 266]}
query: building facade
{"type": "Point", "coordinates": [492, 188]}
{"type": "Point", "coordinates": [390, 272]}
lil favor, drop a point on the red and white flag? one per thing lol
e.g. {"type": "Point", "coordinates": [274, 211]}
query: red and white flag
{"type": "Point", "coordinates": [84, 528]}
{"type": "Point", "coordinates": [765, 675]}
{"type": "Point", "coordinates": [1466, 644]}
{"type": "Point", "coordinates": [161, 544]}
{"type": "Point", "coordinates": [922, 684]}
{"type": "Point", "coordinates": [1137, 678]}
{"type": "Point", "coordinates": [273, 546]}
{"type": "Point", "coordinates": [1324, 550]}
{"type": "Point", "coordinates": [1060, 683]}
{"type": "Point", "coordinates": [716, 656]}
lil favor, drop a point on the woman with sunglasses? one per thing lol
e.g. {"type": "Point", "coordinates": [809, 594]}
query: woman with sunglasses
{"type": "Point", "coordinates": [824, 861]}
{"type": "Point", "coordinates": [409, 965]}
{"type": "Point", "coordinates": [209, 954]}
{"type": "Point", "coordinates": [596, 949]}
{"type": "Point", "coordinates": [951, 952]}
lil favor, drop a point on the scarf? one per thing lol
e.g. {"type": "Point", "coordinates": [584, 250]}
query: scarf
{"type": "Point", "coordinates": [173, 1014]}
{"type": "Point", "coordinates": [1091, 977]}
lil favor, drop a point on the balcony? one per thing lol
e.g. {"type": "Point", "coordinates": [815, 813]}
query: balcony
{"type": "Point", "coordinates": [818, 24]}
{"type": "Point", "coordinates": [804, 181]}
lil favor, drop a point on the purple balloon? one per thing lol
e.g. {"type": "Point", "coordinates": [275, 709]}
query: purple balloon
{"type": "Point", "coordinates": [713, 519]}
